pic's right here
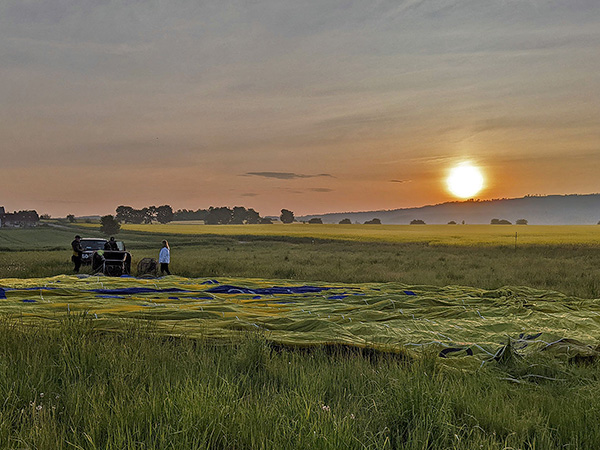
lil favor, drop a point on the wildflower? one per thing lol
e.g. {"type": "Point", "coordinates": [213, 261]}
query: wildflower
{"type": "Point", "coordinates": [38, 407]}
{"type": "Point", "coordinates": [352, 416]}
{"type": "Point", "coordinates": [41, 395]}
{"type": "Point", "coordinates": [326, 408]}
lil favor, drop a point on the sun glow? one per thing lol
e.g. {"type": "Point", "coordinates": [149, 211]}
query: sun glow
{"type": "Point", "coordinates": [465, 180]}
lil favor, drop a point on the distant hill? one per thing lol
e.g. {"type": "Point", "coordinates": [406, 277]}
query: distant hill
{"type": "Point", "coordinates": [537, 210]}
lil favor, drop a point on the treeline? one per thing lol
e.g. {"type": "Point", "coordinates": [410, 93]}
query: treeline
{"type": "Point", "coordinates": [162, 214]}
{"type": "Point", "coordinates": [222, 215]}
{"type": "Point", "coordinates": [211, 216]}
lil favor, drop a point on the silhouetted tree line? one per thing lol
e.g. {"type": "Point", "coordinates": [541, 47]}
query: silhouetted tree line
{"type": "Point", "coordinates": [127, 214]}
{"type": "Point", "coordinates": [212, 216]}
{"type": "Point", "coordinates": [222, 215]}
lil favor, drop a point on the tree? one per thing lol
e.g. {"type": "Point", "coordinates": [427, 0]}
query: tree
{"type": "Point", "coordinates": [286, 216]}
{"type": "Point", "coordinates": [266, 221]}
{"type": "Point", "coordinates": [521, 222]}
{"type": "Point", "coordinates": [218, 216]}
{"type": "Point", "coordinates": [71, 218]}
{"type": "Point", "coordinates": [149, 214]}
{"type": "Point", "coordinates": [238, 215]}
{"type": "Point", "coordinates": [109, 225]}
{"type": "Point", "coordinates": [417, 222]}
{"type": "Point", "coordinates": [124, 214]}
{"type": "Point", "coordinates": [345, 222]}
{"type": "Point", "coordinates": [316, 220]}
{"type": "Point", "coordinates": [374, 221]}
{"type": "Point", "coordinates": [252, 217]}
{"type": "Point", "coordinates": [164, 214]}
{"type": "Point", "coordinates": [45, 217]}
{"type": "Point", "coordinates": [452, 222]}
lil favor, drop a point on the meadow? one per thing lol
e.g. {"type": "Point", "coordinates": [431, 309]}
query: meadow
{"type": "Point", "coordinates": [74, 385]}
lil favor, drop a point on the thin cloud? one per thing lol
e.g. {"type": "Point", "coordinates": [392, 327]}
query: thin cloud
{"type": "Point", "coordinates": [286, 175]}
{"type": "Point", "coordinates": [399, 181]}
{"type": "Point", "coordinates": [249, 194]}
{"type": "Point", "coordinates": [321, 190]}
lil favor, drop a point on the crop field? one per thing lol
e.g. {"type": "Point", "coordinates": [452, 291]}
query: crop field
{"type": "Point", "coordinates": [463, 235]}
{"type": "Point", "coordinates": [305, 336]}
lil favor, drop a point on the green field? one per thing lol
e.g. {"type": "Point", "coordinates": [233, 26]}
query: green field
{"type": "Point", "coordinates": [152, 371]}
{"type": "Point", "coordinates": [463, 235]}
{"type": "Point", "coordinates": [567, 267]}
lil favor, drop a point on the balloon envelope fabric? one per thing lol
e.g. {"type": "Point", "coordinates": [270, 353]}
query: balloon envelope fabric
{"type": "Point", "coordinates": [456, 320]}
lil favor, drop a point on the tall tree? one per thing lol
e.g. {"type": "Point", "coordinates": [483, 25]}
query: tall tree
{"type": "Point", "coordinates": [109, 225]}
{"type": "Point", "coordinates": [286, 216]}
{"type": "Point", "coordinates": [238, 216]}
{"type": "Point", "coordinates": [124, 214]}
{"type": "Point", "coordinates": [252, 216]}
{"type": "Point", "coordinates": [164, 214]}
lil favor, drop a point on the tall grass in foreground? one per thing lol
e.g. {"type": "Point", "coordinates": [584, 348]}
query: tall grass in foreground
{"type": "Point", "coordinates": [70, 386]}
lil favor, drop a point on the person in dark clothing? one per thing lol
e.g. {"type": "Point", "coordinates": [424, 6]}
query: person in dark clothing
{"type": "Point", "coordinates": [77, 252]}
{"type": "Point", "coordinates": [111, 244]}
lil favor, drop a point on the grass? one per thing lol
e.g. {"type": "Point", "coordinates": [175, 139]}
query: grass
{"type": "Point", "coordinates": [568, 268]}
{"type": "Point", "coordinates": [73, 387]}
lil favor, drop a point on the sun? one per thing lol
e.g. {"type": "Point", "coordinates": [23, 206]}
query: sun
{"type": "Point", "coordinates": [465, 180]}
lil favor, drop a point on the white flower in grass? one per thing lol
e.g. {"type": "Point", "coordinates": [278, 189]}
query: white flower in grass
{"type": "Point", "coordinates": [41, 395]}
{"type": "Point", "coordinates": [326, 408]}
{"type": "Point", "coordinates": [38, 407]}
{"type": "Point", "coordinates": [352, 416]}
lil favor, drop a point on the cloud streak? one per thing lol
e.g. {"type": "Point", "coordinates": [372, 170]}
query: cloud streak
{"type": "Point", "coordinates": [286, 175]}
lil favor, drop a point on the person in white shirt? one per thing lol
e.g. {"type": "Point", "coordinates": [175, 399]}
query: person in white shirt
{"type": "Point", "coordinates": [164, 258]}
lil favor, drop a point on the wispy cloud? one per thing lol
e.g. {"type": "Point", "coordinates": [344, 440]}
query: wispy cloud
{"type": "Point", "coordinates": [399, 181]}
{"type": "Point", "coordinates": [321, 190]}
{"type": "Point", "coordinates": [249, 194]}
{"type": "Point", "coordinates": [286, 175]}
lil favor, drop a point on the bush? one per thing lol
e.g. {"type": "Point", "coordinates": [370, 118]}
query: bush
{"type": "Point", "coordinates": [417, 222]}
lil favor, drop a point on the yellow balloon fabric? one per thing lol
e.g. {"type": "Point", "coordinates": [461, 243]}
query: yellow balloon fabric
{"type": "Point", "coordinates": [456, 320]}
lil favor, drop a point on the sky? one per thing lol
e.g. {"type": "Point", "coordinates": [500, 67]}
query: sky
{"type": "Point", "coordinates": [313, 106]}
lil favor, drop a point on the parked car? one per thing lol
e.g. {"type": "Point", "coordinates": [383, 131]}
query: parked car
{"type": "Point", "coordinates": [92, 245]}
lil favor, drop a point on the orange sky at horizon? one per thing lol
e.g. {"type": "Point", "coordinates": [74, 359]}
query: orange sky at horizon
{"type": "Point", "coordinates": [314, 107]}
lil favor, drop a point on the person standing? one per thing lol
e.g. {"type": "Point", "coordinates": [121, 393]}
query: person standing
{"type": "Point", "coordinates": [77, 252]}
{"type": "Point", "coordinates": [164, 258]}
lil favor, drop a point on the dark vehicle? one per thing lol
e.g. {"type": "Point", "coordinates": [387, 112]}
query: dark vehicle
{"type": "Point", "coordinates": [109, 262]}
{"type": "Point", "coordinates": [90, 245]}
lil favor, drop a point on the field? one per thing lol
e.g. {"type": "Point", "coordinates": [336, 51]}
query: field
{"type": "Point", "coordinates": [461, 235]}
{"type": "Point", "coordinates": [93, 377]}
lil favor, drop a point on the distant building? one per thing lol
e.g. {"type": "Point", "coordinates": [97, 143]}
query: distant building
{"type": "Point", "coordinates": [20, 219]}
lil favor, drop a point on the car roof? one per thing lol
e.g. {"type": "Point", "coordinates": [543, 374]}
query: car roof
{"type": "Point", "coordinates": [93, 239]}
